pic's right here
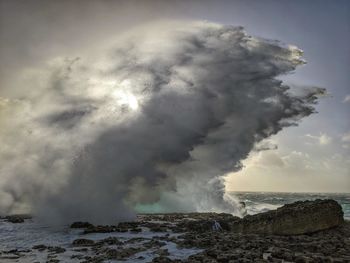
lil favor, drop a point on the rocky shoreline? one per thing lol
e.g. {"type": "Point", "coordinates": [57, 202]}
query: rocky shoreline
{"type": "Point", "coordinates": [310, 231]}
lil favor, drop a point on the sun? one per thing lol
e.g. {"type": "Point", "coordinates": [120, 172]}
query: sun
{"type": "Point", "coordinates": [125, 97]}
{"type": "Point", "coordinates": [129, 100]}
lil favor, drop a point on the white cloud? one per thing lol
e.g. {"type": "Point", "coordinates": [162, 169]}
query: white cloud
{"type": "Point", "coordinates": [346, 137]}
{"type": "Point", "coordinates": [297, 160]}
{"type": "Point", "coordinates": [346, 99]}
{"type": "Point", "coordinates": [322, 139]}
{"type": "Point", "coordinates": [325, 139]}
{"type": "Point", "coordinates": [268, 159]}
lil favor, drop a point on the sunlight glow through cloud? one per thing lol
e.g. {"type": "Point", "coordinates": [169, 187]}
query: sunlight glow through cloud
{"type": "Point", "coordinates": [124, 97]}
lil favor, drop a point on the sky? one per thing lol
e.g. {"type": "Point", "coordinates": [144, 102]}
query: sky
{"type": "Point", "coordinates": [312, 157]}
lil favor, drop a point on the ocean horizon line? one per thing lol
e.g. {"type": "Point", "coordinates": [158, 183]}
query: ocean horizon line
{"type": "Point", "coordinates": [285, 192]}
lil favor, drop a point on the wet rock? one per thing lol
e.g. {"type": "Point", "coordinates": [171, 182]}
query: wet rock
{"type": "Point", "coordinates": [213, 253]}
{"type": "Point", "coordinates": [198, 225]}
{"type": "Point", "coordinates": [10, 257]}
{"type": "Point", "coordinates": [110, 241]}
{"type": "Point", "coordinates": [100, 229]}
{"type": "Point", "coordinates": [293, 219]}
{"type": "Point", "coordinates": [206, 224]}
{"type": "Point", "coordinates": [162, 252]}
{"type": "Point", "coordinates": [113, 254]}
{"type": "Point", "coordinates": [84, 249]}
{"type": "Point", "coordinates": [83, 242]}
{"type": "Point", "coordinates": [302, 259]}
{"type": "Point", "coordinates": [17, 218]}
{"type": "Point", "coordinates": [11, 251]}
{"type": "Point", "coordinates": [81, 225]}
{"type": "Point", "coordinates": [135, 240]}
{"type": "Point", "coordinates": [121, 230]}
{"type": "Point", "coordinates": [156, 227]}
{"type": "Point", "coordinates": [135, 230]}
{"type": "Point", "coordinates": [120, 254]}
{"type": "Point", "coordinates": [324, 246]}
{"type": "Point", "coordinates": [56, 250]}
{"type": "Point", "coordinates": [153, 244]}
{"type": "Point", "coordinates": [14, 219]}
{"type": "Point", "coordinates": [40, 247]}
{"type": "Point", "coordinates": [163, 259]}
{"type": "Point", "coordinates": [128, 225]}
{"type": "Point", "coordinates": [77, 256]}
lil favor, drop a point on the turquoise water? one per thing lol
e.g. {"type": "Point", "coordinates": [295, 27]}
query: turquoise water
{"type": "Point", "coordinates": [257, 202]}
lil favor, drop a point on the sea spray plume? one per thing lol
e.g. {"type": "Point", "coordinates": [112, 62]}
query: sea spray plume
{"type": "Point", "coordinates": [170, 111]}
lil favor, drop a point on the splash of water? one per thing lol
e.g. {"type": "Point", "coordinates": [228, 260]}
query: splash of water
{"type": "Point", "coordinates": [155, 122]}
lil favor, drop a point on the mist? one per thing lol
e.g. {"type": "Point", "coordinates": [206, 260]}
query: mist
{"type": "Point", "coordinates": [153, 120]}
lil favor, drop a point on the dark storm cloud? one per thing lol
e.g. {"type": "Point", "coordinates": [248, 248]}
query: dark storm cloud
{"type": "Point", "coordinates": [176, 106]}
{"type": "Point", "coordinates": [32, 32]}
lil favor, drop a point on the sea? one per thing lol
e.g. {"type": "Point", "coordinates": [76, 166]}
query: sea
{"type": "Point", "coordinates": [24, 236]}
{"type": "Point", "coordinates": [257, 202]}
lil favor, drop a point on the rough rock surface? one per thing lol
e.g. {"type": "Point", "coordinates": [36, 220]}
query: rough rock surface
{"type": "Point", "coordinates": [83, 242]}
{"type": "Point", "coordinates": [193, 235]}
{"type": "Point", "coordinates": [81, 225]}
{"type": "Point", "coordinates": [293, 219]}
{"type": "Point", "coordinates": [17, 218]}
{"type": "Point", "coordinates": [332, 245]}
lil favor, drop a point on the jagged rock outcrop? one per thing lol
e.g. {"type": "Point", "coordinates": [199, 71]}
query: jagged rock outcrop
{"type": "Point", "coordinates": [293, 219]}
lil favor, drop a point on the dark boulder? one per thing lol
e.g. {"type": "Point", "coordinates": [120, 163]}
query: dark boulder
{"type": "Point", "coordinates": [301, 217]}
{"type": "Point", "coordinates": [14, 219]}
{"type": "Point", "coordinates": [17, 218]}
